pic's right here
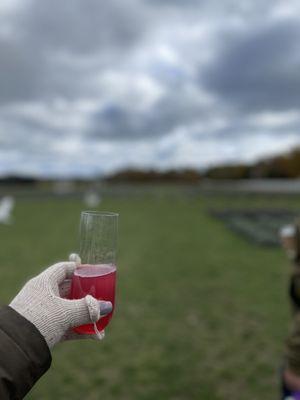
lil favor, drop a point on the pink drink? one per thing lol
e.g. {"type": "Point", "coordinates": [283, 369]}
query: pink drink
{"type": "Point", "coordinates": [99, 281]}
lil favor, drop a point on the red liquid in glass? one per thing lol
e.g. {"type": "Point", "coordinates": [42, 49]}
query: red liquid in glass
{"type": "Point", "coordinates": [100, 282]}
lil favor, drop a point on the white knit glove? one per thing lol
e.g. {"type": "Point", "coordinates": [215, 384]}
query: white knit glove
{"type": "Point", "coordinates": [40, 302]}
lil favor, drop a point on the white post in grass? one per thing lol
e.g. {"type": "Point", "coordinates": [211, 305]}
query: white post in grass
{"type": "Point", "coordinates": [6, 206]}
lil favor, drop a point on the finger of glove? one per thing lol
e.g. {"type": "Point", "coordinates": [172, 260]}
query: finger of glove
{"type": "Point", "coordinates": [81, 311]}
{"type": "Point", "coordinates": [57, 273]}
{"type": "Point", "coordinates": [65, 288]}
{"type": "Point", "coordinates": [75, 257]}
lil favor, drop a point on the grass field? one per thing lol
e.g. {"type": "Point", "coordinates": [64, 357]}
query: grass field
{"type": "Point", "coordinates": [201, 313]}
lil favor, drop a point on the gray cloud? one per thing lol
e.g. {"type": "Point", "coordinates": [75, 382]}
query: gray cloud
{"type": "Point", "coordinates": [18, 72]}
{"type": "Point", "coordinates": [83, 27]}
{"type": "Point", "coordinates": [259, 69]}
{"type": "Point", "coordinates": [171, 111]}
{"type": "Point", "coordinates": [47, 50]}
{"type": "Point", "coordinates": [175, 3]}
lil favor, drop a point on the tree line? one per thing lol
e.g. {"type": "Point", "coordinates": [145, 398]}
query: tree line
{"type": "Point", "coordinates": [282, 166]}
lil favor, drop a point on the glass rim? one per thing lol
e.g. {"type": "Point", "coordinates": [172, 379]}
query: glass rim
{"type": "Point", "coordinates": [100, 213]}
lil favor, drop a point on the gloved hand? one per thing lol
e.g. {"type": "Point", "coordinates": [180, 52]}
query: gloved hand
{"type": "Point", "coordinates": [40, 302]}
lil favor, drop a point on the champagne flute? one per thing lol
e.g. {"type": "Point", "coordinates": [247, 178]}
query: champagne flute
{"type": "Point", "coordinates": [96, 275]}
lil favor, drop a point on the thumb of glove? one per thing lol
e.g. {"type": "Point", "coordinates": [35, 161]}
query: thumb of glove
{"type": "Point", "coordinates": [86, 310]}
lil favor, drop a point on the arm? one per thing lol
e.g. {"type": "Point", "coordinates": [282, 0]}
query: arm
{"type": "Point", "coordinates": [36, 320]}
{"type": "Point", "coordinates": [24, 355]}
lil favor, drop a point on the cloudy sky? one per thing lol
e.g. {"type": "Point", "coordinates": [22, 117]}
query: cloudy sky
{"type": "Point", "coordinates": [89, 86]}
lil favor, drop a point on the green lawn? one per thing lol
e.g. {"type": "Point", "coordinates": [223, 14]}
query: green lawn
{"type": "Point", "coordinates": [201, 313]}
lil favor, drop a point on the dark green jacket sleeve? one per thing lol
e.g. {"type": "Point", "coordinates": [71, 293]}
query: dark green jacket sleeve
{"type": "Point", "coordinates": [24, 355]}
